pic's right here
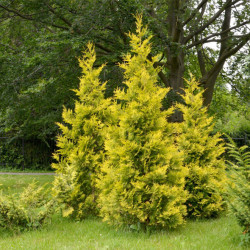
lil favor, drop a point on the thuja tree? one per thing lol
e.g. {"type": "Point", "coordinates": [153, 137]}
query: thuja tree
{"type": "Point", "coordinates": [203, 155]}
{"type": "Point", "coordinates": [81, 142]}
{"type": "Point", "coordinates": [142, 180]}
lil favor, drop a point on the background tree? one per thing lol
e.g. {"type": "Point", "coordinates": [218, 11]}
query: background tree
{"type": "Point", "coordinates": [180, 27]}
{"type": "Point", "coordinates": [231, 102]}
{"type": "Point", "coordinates": [39, 41]}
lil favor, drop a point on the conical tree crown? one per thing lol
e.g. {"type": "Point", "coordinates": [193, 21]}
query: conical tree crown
{"type": "Point", "coordinates": [203, 152]}
{"type": "Point", "coordinates": [142, 180]}
{"type": "Point", "coordinates": [81, 144]}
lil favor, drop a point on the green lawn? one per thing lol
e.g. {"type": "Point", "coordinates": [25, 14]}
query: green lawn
{"type": "Point", "coordinates": [13, 170]}
{"type": "Point", "coordinates": [16, 183]}
{"type": "Point", "coordinates": [221, 233]}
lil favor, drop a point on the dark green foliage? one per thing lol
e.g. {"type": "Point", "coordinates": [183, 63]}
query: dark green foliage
{"type": "Point", "coordinates": [11, 154]}
{"type": "Point", "coordinates": [38, 67]}
{"type": "Point", "coordinates": [40, 40]}
{"type": "Point", "coordinates": [33, 154]}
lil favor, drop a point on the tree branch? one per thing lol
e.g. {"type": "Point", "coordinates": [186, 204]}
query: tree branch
{"type": "Point", "coordinates": [205, 40]}
{"type": "Point", "coordinates": [225, 26]}
{"type": "Point", "coordinates": [119, 25]}
{"type": "Point", "coordinates": [28, 17]}
{"type": "Point", "coordinates": [52, 10]}
{"type": "Point", "coordinates": [194, 12]}
{"type": "Point", "coordinates": [160, 74]}
{"type": "Point", "coordinates": [164, 79]}
{"type": "Point", "coordinates": [211, 20]}
{"type": "Point", "coordinates": [200, 59]}
{"type": "Point", "coordinates": [232, 51]}
{"type": "Point", "coordinates": [8, 46]}
{"type": "Point", "coordinates": [100, 46]}
{"type": "Point", "coordinates": [229, 37]}
{"type": "Point", "coordinates": [16, 12]}
{"type": "Point", "coordinates": [226, 54]}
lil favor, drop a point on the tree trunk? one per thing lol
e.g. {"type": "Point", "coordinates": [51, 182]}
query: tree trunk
{"type": "Point", "coordinates": [208, 81]}
{"type": "Point", "coordinates": [175, 65]}
{"type": "Point", "coordinates": [175, 55]}
{"type": "Point", "coordinates": [209, 78]}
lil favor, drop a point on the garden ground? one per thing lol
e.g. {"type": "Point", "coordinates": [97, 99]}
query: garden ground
{"type": "Point", "coordinates": [92, 233]}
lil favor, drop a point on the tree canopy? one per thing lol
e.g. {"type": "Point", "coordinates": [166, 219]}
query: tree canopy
{"type": "Point", "coordinates": [40, 41]}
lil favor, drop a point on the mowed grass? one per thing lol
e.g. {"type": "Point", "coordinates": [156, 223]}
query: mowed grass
{"type": "Point", "coordinates": [13, 170]}
{"type": "Point", "coordinates": [92, 233]}
{"type": "Point", "coordinates": [11, 184]}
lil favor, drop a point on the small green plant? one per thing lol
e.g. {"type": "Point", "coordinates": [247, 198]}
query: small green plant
{"type": "Point", "coordinates": [142, 180]}
{"type": "Point", "coordinates": [28, 210]}
{"type": "Point", "coordinates": [238, 195]}
{"type": "Point", "coordinates": [202, 155]}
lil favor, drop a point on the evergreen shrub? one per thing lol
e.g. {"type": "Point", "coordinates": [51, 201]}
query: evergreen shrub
{"type": "Point", "coordinates": [202, 155]}
{"type": "Point", "coordinates": [142, 179]}
{"type": "Point", "coordinates": [29, 210]}
{"type": "Point", "coordinates": [81, 143]}
{"type": "Point", "coordinates": [124, 158]}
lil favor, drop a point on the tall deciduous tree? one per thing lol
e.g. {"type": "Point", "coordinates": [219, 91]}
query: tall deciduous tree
{"type": "Point", "coordinates": [182, 30]}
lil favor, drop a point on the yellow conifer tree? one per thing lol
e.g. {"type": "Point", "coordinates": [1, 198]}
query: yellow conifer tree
{"type": "Point", "coordinates": [81, 143]}
{"type": "Point", "coordinates": [203, 155]}
{"type": "Point", "coordinates": [142, 180]}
